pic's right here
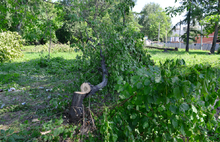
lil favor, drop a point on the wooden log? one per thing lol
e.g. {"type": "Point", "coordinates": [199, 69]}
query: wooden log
{"type": "Point", "coordinates": [165, 49]}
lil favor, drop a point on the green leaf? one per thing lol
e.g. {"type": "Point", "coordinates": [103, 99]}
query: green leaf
{"type": "Point", "coordinates": [155, 121]}
{"type": "Point", "coordinates": [2, 131]}
{"type": "Point", "coordinates": [149, 114]}
{"type": "Point", "coordinates": [174, 122]}
{"type": "Point", "coordinates": [157, 79]}
{"type": "Point", "coordinates": [17, 137]}
{"type": "Point", "coordinates": [130, 107]}
{"type": "Point", "coordinates": [194, 109]}
{"type": "Point", "coordinates": [204, 88]}
{"type": "Point", "coordinates": [147, 90]}
{"type": "Point", "coordinates": [182, 130]}
{"type": "Point", "coordinates": [160, 109]}
{"type": "Point", "coordinates": [11, 139]}
{"type": "Point", "coordinates": [139, 85]}
{"type": "Point", "coordinates": [114, 137]}
{"type": "Point", "coordinates": [177, 93]}
{"type": "Point", "coordinates": [150, 99]}
{"type": "Point", "coordinates": [56, 132]}
{"type": "Point", "coordinates": [184, 107]}
{"type": "Point", "coordinates": [175, 80]}
{"type": "Point", "coordinates": [135, 79]}
{"type": "Point", "coordinates": [133, 116]}
{"type": "Point", "coordinates": [35, 134]}
{"type": "Point", "coordinates": [145, 125]}
{"type": "Point", "coordinates": [173, 108]}
{"type": "Point", "coordinates": [147, 82]}
{"type": "Point", "coordinates": [158, 139]}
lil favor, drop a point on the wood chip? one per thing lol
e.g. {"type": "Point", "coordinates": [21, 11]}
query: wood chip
{"type": "Point", "coordinates": [35, 120]}
{"type": "Point", "coordinates": [44, 133]}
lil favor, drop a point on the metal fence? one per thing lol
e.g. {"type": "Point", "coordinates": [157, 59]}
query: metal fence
{"type": "Point", "coordinates": [191, 46]}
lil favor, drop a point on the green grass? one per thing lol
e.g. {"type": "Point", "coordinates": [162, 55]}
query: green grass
{"type": "Point", "coordinates": [26, 75]}
{"type": "Point", "coordinates": [192, 57]}
{"type": "Point", "coordinates": [60, 74]}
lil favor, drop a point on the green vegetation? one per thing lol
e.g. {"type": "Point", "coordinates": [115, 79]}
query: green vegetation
{"type": "Point", "coordinates": [43, 116]}
{"type": "Point", "coordinates": [173, 108]}
{"type": "Point", "coordinates": [25, 112]}
{"type": "Point", "coordinates": [191, 58]}
{"type": "Point", "coordinates": [153, 17]}
{"type": "Point", "coordinates": [10, 46]}
{"type": "Point", "coordinates": [172, 100]}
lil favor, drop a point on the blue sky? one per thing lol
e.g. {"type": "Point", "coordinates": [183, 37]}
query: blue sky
{"type": "Point", "coordinates": [163, 3]}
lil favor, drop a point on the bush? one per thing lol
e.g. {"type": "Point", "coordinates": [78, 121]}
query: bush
{"type": "Point", "coordinates": [10, 46]}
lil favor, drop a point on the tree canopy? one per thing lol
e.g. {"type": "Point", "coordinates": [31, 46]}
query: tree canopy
{"type": "Point", "coordinates": [151, 18]}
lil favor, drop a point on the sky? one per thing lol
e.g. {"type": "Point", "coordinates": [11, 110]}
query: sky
{"type": "Point", "coordinates": [163, 3]}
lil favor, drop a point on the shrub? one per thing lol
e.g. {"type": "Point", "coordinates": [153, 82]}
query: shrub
{"type": "Point", "coordinates": [10, 46]}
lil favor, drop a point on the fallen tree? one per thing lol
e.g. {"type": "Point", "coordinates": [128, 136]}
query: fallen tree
{"type": "Point", "coordinates": [76, 109]}
{"type": "Point", "coordinates": [165, 49]}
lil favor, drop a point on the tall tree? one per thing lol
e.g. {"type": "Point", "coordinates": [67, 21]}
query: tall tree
{"type": "Point", "coordinates": [193, 13]}
{"type": "Point", "coordinates": [151, 18]}
{"type": "Point", "coordinates": [188, 26]}
{"type": "Point", "coordinates": [212, 50]}
{"type": "Point", "coordinates": [30, 18]}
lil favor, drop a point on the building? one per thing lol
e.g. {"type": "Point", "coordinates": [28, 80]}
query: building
{"type": "Point", "coordinates": [175, 35]}
{"type": "Point", "coordinates": [205, 40]}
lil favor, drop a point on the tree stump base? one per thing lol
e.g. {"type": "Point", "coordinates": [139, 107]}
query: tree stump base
{"type": "Point", "coordinates": [76, 109]}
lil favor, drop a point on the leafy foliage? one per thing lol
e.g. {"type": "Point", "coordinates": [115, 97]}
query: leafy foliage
{"type": "Point", "coordinates": [164, 104]}
{"type": "Point", "coordinates": [115, 33]}
{"type": "Point", "coordinates": [10, 46]}
{"type": "Point", "coordinates": [155, 103]}
{"type": "Point", "coordinates": [9, 135]}
{"type": "Point", "coordinates": [151, 16]}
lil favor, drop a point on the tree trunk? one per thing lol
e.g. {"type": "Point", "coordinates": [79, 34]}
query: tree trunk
{"type": "Point", "coordinates": [76, 110]}
{"type": "Point", "coordinates": [188, 27]}
{"type": "Point", "coordinates": [212, 50]}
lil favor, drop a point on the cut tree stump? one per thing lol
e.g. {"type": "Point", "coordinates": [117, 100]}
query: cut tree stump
{"type": "Point", "coordinates": [76, 110]}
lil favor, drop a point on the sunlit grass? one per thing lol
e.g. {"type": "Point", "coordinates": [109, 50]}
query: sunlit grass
{"type": "Point", "coordinates": [29, 54]}
{"type": "Point", "coordinates": [191, 57]}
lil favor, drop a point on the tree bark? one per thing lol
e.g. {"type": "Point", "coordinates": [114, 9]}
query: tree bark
{"type": "Point", "coordinates": [188, 27]}
{"type": "Point", "coordinates": [212, 50]}
{"type": "Point", "coordinates": [76, 110]}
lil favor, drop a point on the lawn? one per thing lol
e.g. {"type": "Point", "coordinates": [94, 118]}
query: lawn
{"type": "Point", "coordinates": [191, 58]}
{"type": "Point", "coordinates": [40, 85]}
